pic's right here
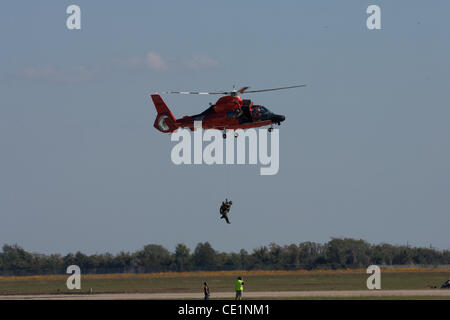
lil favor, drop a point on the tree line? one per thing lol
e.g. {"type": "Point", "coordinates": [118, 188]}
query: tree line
{"type": "Point", "coordinates": [335, 254]}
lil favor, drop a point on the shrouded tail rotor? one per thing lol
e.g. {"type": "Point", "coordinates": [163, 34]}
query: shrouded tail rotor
{"type": "Point", "coordinates": [165, 121]}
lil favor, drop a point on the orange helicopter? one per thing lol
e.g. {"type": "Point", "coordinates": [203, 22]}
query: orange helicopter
{"type": "Point", "coordinates": [230, 112]}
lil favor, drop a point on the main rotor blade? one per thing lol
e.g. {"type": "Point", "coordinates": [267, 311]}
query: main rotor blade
{"type": "Point", "coordinates": [234, 92]}
{"type": "Point", "coordinates": [273, 89]}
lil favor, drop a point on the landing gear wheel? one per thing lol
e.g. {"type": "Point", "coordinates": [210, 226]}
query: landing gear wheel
{"type": "Point", "coordinates": [224, 135]}
{"type": "Point", "coordinates": [236, 134]}
{"type": "Point", "coordinates": [270, 129]}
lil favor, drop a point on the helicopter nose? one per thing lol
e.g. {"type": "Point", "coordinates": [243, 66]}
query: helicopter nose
{"type": "Point", "coordinates": [278, 118]}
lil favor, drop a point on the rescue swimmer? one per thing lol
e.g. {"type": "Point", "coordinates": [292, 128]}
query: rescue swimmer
{"type": "Point", "coordinates": [225, 209]}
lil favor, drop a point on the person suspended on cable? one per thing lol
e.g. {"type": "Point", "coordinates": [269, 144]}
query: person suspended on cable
{"type": "Point", "coordinates": [225, 209]}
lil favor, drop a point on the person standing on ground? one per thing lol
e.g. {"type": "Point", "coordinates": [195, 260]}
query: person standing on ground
{"type": "Point", "coordinates": [239, 288]}
{"type": "Point", "coordinates": [206, 290]}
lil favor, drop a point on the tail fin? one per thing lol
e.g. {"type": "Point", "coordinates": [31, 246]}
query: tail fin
{"type": "Point", "coordinates": [165, 121]}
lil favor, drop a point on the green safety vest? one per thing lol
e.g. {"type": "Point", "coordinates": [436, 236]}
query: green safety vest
{"type": "Point", "coordinates": [239, 286]}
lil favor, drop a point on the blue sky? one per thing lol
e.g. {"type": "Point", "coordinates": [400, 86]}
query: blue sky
{"type": "Point", "coordinates": [364, 152]}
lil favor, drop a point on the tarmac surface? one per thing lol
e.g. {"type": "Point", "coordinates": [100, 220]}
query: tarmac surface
{"type": "Point", "coordinates": [224, 295]}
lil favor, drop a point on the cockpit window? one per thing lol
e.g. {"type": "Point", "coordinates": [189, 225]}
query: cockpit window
{"type": "Point", "coordinates": [262, 110]}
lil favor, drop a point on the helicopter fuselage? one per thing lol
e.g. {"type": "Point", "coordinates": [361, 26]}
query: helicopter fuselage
{"type": "Point", "coordinates": [229, 112]}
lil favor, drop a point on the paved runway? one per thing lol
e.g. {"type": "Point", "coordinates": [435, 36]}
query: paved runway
{"type": "Point", "coordinates": [262, 294]}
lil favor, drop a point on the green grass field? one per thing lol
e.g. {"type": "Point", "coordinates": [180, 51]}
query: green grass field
{"type": "Point", "coordinates": [221, 282]}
